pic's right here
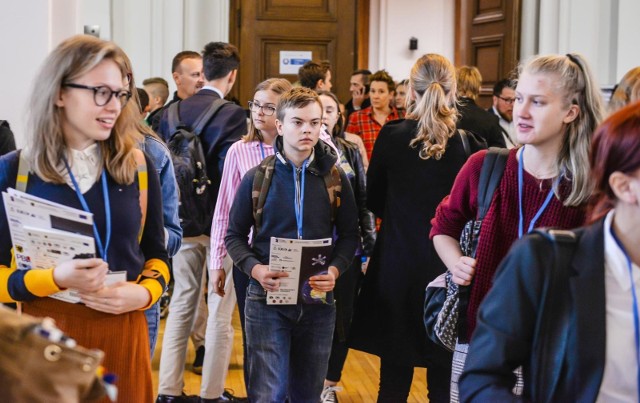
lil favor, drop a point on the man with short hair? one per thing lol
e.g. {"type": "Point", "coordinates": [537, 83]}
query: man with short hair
{"type": "Point", "coordinates": [504, 95]}
{"type": "Point", "coordinates": [186, 70]}
{"type": "Point", "coordinates": [359, 88]}
{"type": "Point", "coordinates": [157, 89]}
{"type": "Point", "coordinates": [316, 76]}
{"type": "Point", "coordinates": [220, 61]}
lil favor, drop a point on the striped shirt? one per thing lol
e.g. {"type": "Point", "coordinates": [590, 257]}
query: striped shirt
{"type": "Point", "coordinates": [241, 157]}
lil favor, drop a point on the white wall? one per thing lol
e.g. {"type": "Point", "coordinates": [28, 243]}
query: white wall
{"type": "Point", "coordinates": [394, 22]}
{"type": "Point", "coordinates": [28, 21]}
{"type": "Point", "coordinates": [150, 31]}
{"type": "Point", "coordinates": [604, 31]}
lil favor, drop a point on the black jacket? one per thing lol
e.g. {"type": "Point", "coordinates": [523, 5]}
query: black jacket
{"type": "Point", "coordinates": [484, 124]}
{"type": "Point", "coordinates": [358, 183]}
{"type": "Point", "coordinates": [507, 333]}
{"type": "Point", "coordinates": [278, 218]}
{"type": "Point", "coordinates": [7, 141]}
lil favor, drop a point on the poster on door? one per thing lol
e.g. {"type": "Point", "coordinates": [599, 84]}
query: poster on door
{"type": "Point", "coordinates": [291, 61]}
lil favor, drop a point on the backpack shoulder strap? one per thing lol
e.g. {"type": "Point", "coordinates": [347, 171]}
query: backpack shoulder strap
{"type": "Point", "coordinates": [552, 338]}
{"type": "Point", "coordinates": [143, 187]}
{"type": "Point", "coordinates": [465, 142]}
{"type": "Point", "coordinates": [23, 173]}
{"type": "Point", "coordinates": [173, 116]}
{"type": "Point", "coordinates": [260, 189]}
{"type": "Point", "coordinates": [490, 176]}
{"type": "Point", "coordinates": [206, 116]}
{"type": "Point", "coordinates": [333, 182]}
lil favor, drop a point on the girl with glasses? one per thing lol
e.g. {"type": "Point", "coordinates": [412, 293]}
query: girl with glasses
{"type": "Point", "coordinates": [241, 157]}
{"type": "Point", "coordinates": [83, 152]}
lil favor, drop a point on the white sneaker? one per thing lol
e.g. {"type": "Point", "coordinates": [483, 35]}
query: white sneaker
{"type": "Point", "coordinates": [329, 394]}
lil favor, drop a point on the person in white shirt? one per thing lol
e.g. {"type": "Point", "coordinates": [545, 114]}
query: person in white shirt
{"type": "Point", "coordinates": [504, 96]}
{"type": "Point", "coordinates": [585, 347]}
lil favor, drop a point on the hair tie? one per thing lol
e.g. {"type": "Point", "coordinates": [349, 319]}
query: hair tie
{"type": "Point", "coordinates": [575, 60]}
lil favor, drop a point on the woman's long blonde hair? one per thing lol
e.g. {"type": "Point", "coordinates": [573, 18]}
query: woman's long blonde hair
{"type": "Point", "coordinates": [433, 81]}
{"type": "Point", "coordinates": [46, 147]}
{"type": "Point", "coordinates": [276, 85]}
{"type": "Point", "coordinates": [578, 87]}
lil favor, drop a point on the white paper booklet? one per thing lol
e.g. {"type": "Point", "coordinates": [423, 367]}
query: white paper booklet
{"type": "Point", "coordinates": [301, 258]}
{"type": "Point", "coordinates": [24, 210]}
{"type": "Point", "coordinates": [45, 234]}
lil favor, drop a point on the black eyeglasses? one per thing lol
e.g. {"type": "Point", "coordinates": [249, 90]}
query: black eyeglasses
{"type": "Point", "coordinates": [102, 95]}
{"type": "Point", "coordinates": [508, 100]}
{"type": "Point", "coordinates": [266, 109]}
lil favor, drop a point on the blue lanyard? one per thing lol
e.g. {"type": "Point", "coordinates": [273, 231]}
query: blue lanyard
{"type": "Point", "coordinates": [107, 210]}
{"type": "Point", "coordinates": [636, 315]}
{"type": "Point", "coordinates": [261, 149]}
{"type": "Point", "coordinates": [299, 196]}
{"type": "Point", "coordinates": [542, 208]}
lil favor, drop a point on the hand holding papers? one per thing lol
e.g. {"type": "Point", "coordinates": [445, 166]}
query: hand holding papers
{"type": "Point", "coordinates": [46, 234]}
{"type": "Point", "coordinates": [301, 259]}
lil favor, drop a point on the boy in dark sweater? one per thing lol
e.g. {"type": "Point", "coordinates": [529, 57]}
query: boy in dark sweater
{"type": "Point", "coordinates": [288, 346]}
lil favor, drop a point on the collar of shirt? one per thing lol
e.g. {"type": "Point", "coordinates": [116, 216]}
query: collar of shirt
{"type": "Point", "coordinates": [214, 89]}
{"type": "Point", "coordinates": [85, 166]}
{"type": "Point", "coordinates": [615, 260]}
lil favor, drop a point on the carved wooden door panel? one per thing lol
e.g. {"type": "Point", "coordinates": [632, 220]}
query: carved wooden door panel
{"type": "Point", "coordinates": [263, 28]}
{"type": "Point", "coordinates": [488, 37]}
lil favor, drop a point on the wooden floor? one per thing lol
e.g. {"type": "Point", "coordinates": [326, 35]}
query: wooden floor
{"type": "Point", "coordinates": [359, 378]}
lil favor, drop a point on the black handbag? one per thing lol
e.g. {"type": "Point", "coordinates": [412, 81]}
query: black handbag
{"type": "Point", "coordinates": [445, 304]}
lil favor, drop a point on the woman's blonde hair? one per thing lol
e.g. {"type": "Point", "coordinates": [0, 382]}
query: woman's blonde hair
{"type": "Point", "coordinates": [276, 85]}
{"type": "Point", "coordinates": [469, 81]}
{"type": "Point", "coordinates": [70, 60]}
{"type": "Point", "coordinates": [627, 91]}
{"type": "Point", "coordinates": [575, 82]}
{"type": "Point", "coordinates": [433, 81]}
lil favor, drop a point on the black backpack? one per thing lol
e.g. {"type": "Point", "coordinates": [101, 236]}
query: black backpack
{"type": "Point", "coordinates": [197, 202]}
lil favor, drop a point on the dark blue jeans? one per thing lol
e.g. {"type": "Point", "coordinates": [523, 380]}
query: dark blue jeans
{"type": "Point", "coordinates": [288, 348]}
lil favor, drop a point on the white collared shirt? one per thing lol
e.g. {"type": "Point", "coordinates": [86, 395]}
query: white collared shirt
{"type": "Point", "coordinates": [619, 382]}
{"type": "Point", "coordinates": [509, 129]}
{"type": "Point", "coordinates": [214, 89]}
{"type": "Point", "coordinates": [85, 166]}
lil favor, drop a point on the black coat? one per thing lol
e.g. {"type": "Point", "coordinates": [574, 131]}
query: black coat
{"type": "Point", "coordinates": [358, 183]}
{"type": "Point", "coordinates": [484, 124]}
{"type": "Point", "coordinates": [506, 334]}
{"type": "Point", "coordinates": [404, 191]}
{"type": "Point", "coordinates": [7, 141]}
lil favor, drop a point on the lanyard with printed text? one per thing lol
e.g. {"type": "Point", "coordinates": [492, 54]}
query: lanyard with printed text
{"type": "Point", "coordinates": [261, 150]}
{"type": "Point", "coordinates": [299, 196]}
{"type": "Point", "coordinates": [107, 210]}
{"type": "Point", "coordinates": [636, 315]}
{"type": "Point", "coordinates": [542, 208]}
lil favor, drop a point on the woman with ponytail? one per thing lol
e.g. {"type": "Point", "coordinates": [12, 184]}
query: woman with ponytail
{"type": "Point", "coordinates": [593, 356]}
{"type": "Point", "coordinates": [546, 181]}
{"type": "Point", "coordinates": [413, 166]}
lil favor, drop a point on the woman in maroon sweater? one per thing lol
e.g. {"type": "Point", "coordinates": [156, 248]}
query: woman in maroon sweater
{"type": "Point", "coordinates": [545, 182]}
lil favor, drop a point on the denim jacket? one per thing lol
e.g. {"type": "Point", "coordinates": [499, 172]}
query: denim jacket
{"type": "Point", "coordinates": [159, 155]}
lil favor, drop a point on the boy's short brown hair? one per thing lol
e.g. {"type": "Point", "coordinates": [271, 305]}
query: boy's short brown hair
{"type": "Point", "coordinates": [296, 98]}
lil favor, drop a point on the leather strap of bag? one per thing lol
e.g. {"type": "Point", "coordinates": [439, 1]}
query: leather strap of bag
{"type": "Point", "coordinates": [493, 165]}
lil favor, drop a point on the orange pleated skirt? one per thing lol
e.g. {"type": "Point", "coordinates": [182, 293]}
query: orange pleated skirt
{"type": "Point", "coordinates": [123, 338]}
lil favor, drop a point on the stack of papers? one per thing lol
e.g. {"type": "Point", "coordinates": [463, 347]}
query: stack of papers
{"type": "Point", "coordinates": [45, 234]}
